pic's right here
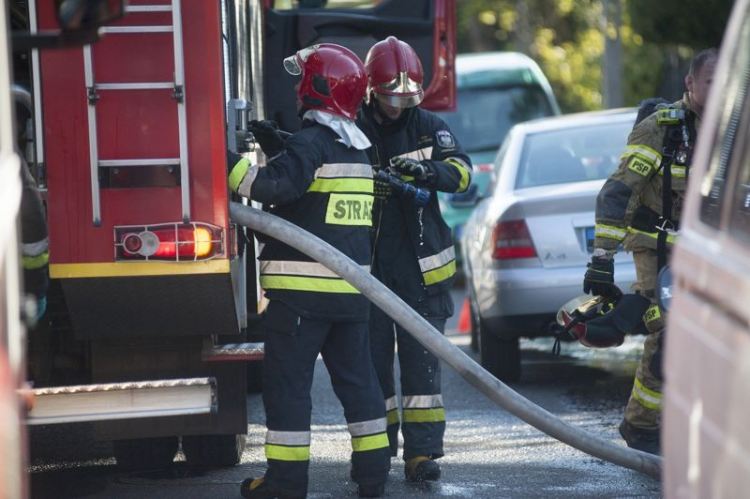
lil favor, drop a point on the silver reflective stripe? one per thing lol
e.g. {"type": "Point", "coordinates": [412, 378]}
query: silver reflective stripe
{"type": "Point", "coordinates": [288, 437]}
{"type": "Point", "coordinates": [390, 403]}
{"type": "Point", "coordinates": [459, 161]}
{"type": "Point", "coordinates": [310, 269]}
{"type": "Point", "coordinates": [419, 154]}
{"type": "Point", "coordinates": [422, 401]}
{"type": "Point", "coordinates": [35, 249]}
{"type": "Point", "coordinates": [337, 170]}
{"type": "Point", "coordinates": [436, 261]}
{"type": "Point", "coordinates": [247, 182]}
{"type": "Point", "coordinates": [367, 427]}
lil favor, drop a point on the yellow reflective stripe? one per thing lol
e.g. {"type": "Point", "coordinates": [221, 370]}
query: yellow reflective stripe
{"type": "Point", "coordinates": [610, 232]}
{"type": "Point", "coordinates": [238, 173]}
{"type": "Point", "coordinates": [297, 283]}
{"type": "Point", "coordinates": [441, 274]}
{"type": "Point", "coordinates": [392, 417]}
{"type": "Point", "coordinates": [370, 442]}
{"type": "Point", "coordinates": [437, 260]}
{"type": "Point", "coordinates": [647, 154]}
{"type": "Point", "coordinates": [436, 415]}
{"type": "Point", "coordinates": [677, 171]}
{"type": "Point", "coordinates": [35, 262]}
{"type": "Point", "coordinates": [652, 314]}
{"type": "Point", "coordinates": [648, 398]}
{"type": "Point", "coordinates": [463, 170]}
{"type": "Point", "coordinates": [640, 166]}
{"type": "Point", "coordinates": [364, 185]}
{"type": "Point", "coordinates": [671, 238]}
{"type": "Point", "coordinates": [288, 453]}
{"type": "Point", "coordinates": [349, 209]}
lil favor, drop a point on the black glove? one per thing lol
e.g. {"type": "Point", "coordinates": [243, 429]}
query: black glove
{"type": "Point", "coordinates": [410, 167]}
{"type": "Point", "coordinates": [383, 188]}
{"type": "Point", "coordinates": [267, 135]}
{"type": "Point", "coordinates": [600, 277]}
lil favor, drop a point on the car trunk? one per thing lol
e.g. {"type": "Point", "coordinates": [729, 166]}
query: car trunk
{"type": "Point", "coordinates": [560, 219]}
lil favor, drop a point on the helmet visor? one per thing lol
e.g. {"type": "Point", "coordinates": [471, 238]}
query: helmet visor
{"type": "Point", "coordinates": [401, 91]}
{"type": "Point", "coordinates": [294, 63]}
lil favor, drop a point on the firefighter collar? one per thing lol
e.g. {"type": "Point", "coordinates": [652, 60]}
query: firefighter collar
{"type": "Point", "coordinates": [349, 134]}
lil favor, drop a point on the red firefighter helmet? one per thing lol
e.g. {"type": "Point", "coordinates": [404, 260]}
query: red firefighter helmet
{"type": "Point", "coordinates": [333, 78]}
{"type": "Point", "coordinates": [602, 322]}
{"type": "Point", "coordinates": [394, 73]}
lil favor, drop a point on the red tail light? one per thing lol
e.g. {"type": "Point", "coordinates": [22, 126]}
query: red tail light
{"type": "Point", "coordinates": [174, 241]}
{"type": "Point", "coordinates": [512, 239]}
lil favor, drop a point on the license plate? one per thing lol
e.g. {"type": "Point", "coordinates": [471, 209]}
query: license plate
{"type": "Point", "coordinates": [590, 239]}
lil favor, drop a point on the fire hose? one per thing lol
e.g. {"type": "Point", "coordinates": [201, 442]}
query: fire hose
{"type": "Point", "coordinates": [439, 345]}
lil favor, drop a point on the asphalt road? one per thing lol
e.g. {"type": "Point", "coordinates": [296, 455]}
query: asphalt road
{"type": "Point", "coordinates": [489, 453]}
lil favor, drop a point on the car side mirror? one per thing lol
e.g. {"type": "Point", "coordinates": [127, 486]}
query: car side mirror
{"type": "Point", "coordinates": [470, 197]}
{"type": "Point", "coordinates": [664, 288]}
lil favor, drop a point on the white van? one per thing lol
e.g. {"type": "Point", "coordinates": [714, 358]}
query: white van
{"type": "Point", "coordinates": [706, 419]}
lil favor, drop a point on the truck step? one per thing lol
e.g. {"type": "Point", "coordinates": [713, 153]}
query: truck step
{"type": "Point", "coordinates": [135, 399]}
{"type": "Point", "coordinates": [234, 352]}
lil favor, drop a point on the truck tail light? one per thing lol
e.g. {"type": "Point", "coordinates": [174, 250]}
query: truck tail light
{"type": "Point", "coordinates": [512, 239]}
{"type": "Point", "coordinates": [170, 241]}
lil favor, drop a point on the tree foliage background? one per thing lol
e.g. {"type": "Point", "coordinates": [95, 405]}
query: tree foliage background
{"type": "Point", "coordinates": [655, 40]}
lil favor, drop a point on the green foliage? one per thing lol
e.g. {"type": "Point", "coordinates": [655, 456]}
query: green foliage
{"type": "Point", "coordinates": [567, 39]}
{"type": "Point", "coordinates": [697, 24]}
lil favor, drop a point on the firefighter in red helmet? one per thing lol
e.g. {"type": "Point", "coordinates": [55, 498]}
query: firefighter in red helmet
{"type": "Point", "coordinates": [413, 248]}
{"type": "Point", "coordinates": [321, 180]}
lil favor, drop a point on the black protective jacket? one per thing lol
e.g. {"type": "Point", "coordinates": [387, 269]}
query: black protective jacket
{"type": "Point", "coordinates": [420, 135]}
{"type": "Point", "coordinates": [326, 188]}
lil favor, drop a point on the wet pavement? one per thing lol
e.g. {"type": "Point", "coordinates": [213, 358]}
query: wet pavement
{"type": "Point", "coordinates": [489, 453]}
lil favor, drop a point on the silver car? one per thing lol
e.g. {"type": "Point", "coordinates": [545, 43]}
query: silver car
{"type": "Point", "coordinates": [526, 246]}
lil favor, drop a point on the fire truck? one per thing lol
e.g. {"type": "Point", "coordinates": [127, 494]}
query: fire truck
{"type": "Point", "coordinates": [154, 299]}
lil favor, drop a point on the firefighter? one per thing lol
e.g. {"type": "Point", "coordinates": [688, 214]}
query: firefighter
{"type": "Point", "coordinates": [639, 207]}
{"type": "Point", "coordinates": [413, 252]}
{"type": "Point", "coordinates": [321, 180]}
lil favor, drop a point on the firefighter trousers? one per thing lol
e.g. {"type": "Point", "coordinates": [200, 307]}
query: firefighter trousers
{"type": "Point", "coordinates": [421, 401]}
{"type": "Point", "coordinates": [644, 406]}
{"type": "Point", "coordinates": [291, 348]}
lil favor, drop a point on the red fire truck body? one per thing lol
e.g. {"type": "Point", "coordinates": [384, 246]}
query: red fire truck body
{"type": "Point", "coordinates": [153, 287]}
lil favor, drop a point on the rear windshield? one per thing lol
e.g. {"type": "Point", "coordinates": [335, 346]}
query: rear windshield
{"type": "Point", "coordinates": [572, 155]}
{"type": "Point", "coordinates": [483, 116]}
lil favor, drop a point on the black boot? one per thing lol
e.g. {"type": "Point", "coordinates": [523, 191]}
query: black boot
{"type": "Point", "coordinates": [640, 438]}
{"type": "Point", "coordinates": [421, 469]}
{"type": "Point", "coordinates": [257, 488]}
{"type": "Point", "coordinates": [371, 490]}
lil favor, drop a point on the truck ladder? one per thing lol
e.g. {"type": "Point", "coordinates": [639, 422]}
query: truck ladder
{"type": "Point", "coordinates": [178, 85]}
{"type": "Point", "coordinates": [136, 399]}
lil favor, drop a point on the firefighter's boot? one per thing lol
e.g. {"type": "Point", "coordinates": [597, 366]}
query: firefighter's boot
{"type": "Point", "coordinates": [257, 488]}
{"type": "Point", "coordinates": [421, 469]}
{"type": "Point", "coordinates": [371, 490]}
{"type": "Point", "coordinates": [640, 438]}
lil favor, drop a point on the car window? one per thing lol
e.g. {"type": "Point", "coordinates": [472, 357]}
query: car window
{"type": "Point", "coordinates": [573, 154]}
{"type": "Point", "coordinates": [484, 115]}
{"type": "Point", "coordinates": [733, 103]}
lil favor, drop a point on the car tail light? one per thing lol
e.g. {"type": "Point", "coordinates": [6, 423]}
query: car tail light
{"type": "Point", "coordinates": [512, 239]}
{"type": "Point", "coordinates": [171, 241]}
